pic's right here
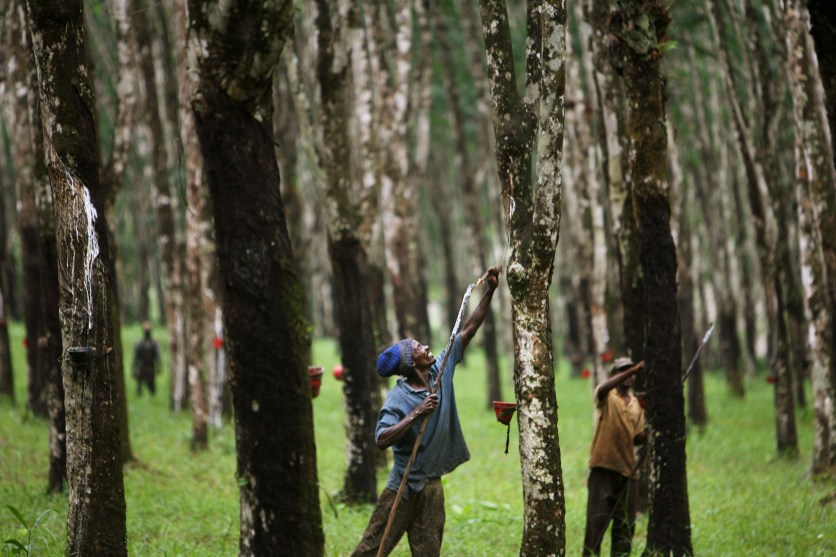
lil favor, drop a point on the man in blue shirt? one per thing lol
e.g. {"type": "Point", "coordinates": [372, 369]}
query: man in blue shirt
{"type": "Point", "coordinates": [420, 512]}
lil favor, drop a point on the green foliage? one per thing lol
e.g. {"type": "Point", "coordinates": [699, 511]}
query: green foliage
{"type": "Point", "coordinates": [13, 546]}
{"type": "Point", "coordinates": [743, 500]}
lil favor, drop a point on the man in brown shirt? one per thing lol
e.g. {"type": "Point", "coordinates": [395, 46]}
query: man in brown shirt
{"type": "Point", "coordinates": [619, 425]}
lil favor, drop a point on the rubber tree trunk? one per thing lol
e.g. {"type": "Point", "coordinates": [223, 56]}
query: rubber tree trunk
{"type": "Point", "coordinates": [49, 345]}
{"type": "Point", "coordinates": [532, 222]}
{"type": "Point", "coordinates": [96, 515]}
{"type": "Point", "coordinates": [669, 524]}
{"type": "Point", "coordinates": [200, 299]}
{"type": "Point", "coordinates": [817, 212]}
{"type": "Point", "coordinates": [196, 317]}
{"type": "Point", "coordinates": [346, 249]}
{"type": "Point", "coordinates": [823, 32]}
{"type": "Point", "coordinates": [263, 309]}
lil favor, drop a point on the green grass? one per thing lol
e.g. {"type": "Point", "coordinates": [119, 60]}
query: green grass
{"type": "Point", "coordinates": [743, 500]}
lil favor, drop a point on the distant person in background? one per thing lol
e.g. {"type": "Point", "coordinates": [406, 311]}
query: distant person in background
{"type": "Point", "coordinates": [619, 427]}
{"type": "Point", "coordinates": [146, 361]}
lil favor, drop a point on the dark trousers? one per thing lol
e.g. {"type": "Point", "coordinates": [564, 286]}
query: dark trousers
{"type": "Point", "coordinates": [611, 497]}
{"type": "Point", "coordinates": [421, 517]}
{"type": "Point", "coordinates": [148, 381]}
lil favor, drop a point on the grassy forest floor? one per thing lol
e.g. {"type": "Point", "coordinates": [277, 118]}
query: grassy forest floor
{"type": "Point", "coordinates": [743, 500]}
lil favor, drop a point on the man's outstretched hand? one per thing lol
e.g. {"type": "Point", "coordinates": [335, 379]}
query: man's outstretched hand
{"type": "Point", "coordinates": [492, 277]}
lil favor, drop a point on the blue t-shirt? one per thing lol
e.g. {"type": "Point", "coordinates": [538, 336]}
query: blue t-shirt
{"type": "Point", "coordinates": [442, 446]}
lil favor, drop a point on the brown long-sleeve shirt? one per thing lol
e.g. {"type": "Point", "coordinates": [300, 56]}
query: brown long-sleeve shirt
{"type": "Point", "coordinates": [617, 422]}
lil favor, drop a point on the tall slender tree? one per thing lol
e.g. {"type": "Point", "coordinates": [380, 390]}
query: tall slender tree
{"type": "Point", "coordinates": [96, 516]}
{"type": "Point", "coordinates": [532, 220]}
{"type": "Point", "coordinates": [640, 31]}
{"type": "Point", "coordinates": [346, 248]}
{"type": "Point", "coordinates": [235, 47]}
{"type": "Point", "coordinates": [816, 183]}
{"type": "Point", "coordinates": [823, 31]}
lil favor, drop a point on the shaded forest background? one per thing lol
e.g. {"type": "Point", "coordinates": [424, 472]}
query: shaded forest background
{"type": "Point", "coordinates": [383, 127]}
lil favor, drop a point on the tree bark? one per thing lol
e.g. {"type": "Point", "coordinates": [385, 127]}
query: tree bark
{"type": "Point", "coordinates": [266, 333]}
{"type": "Point", "coordinates": [532, 220]}
{"type": "Point", "coordinates": [196, 317]}
{"type": "Point", "coordinates": [823, 32]}
{"type": "Point", "coordinates": [641, 27]}
{"type": "Point", "coordinates": [49, 345]}
{"type": "Point", "coordinates": [346, 249]}
{"type": "Point", "coordinates": [816, 183]}
{"type": "Point", "coordinates": [96, 516]}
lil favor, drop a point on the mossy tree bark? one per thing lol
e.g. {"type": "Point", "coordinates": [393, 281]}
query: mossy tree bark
{"type": "Point", "coordinates": [823, 31]}
{"type": "Point", "coordinates": [532, 220]}
{"type": "Point", "coordinates": [96, 516]}
{"type": "Point", "coordinates": [236, 47]}
{"type": "Point", "coordinates": [640, 28]}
